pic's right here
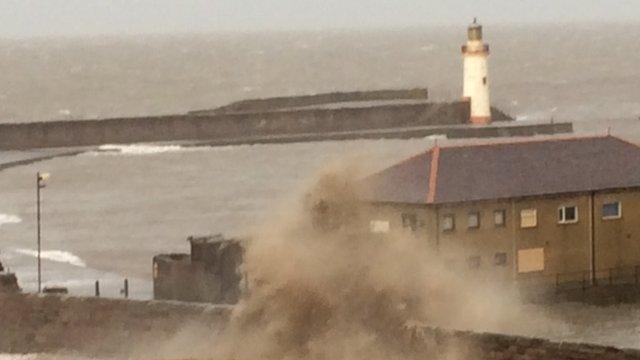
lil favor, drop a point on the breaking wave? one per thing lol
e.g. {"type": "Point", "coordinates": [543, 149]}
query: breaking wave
{"type": "Point", "coordinates": [9, 219]}
{"type": "Point", "coordinates": [323, 287]}
{"type": "Point", "coordinates": [139, 149]}
{"type": "Point", "coordinates": [56, 256]}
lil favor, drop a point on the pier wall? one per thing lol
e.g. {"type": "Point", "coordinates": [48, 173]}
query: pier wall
{"type": "Point", "coordinates": [125, 328]}
{"type": "Point", "coordinates": [52, 134]}
{"type": "Point", "coordinates": [289, 102]}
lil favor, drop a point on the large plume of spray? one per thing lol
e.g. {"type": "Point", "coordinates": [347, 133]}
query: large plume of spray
{"type": "Point", "coordinates": [324, 287]}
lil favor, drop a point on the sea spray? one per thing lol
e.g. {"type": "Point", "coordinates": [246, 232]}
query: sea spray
{"type": "Point", "coordinates": [140, 149]}
{"type": "Point", "coordinates": [9, 219]}
{"type": "Point", "coordinates": [54, 255]}
{"type": "Point", "coordinates": [323, 287]}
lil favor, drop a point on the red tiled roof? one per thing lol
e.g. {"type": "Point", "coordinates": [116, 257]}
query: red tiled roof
{"type": "Point", "coordinates": [507, 170]}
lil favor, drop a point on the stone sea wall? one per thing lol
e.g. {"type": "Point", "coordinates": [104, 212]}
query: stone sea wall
{"type": "Point", "coordinates": [124, 328]}
{"type": "Point", "coordinates": [8, 282]}
{"type": "Point", "coordinates": [32, 323]}
{"type": "Point", "coordinates": [483, 346]}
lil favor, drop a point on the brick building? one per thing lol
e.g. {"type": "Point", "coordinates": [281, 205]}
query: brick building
{"type": "Point", "coordinates": [549, 210]}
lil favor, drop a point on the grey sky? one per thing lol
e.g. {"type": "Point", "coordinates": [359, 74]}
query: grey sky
{"type": "Point", "coordinates": [25, 18]}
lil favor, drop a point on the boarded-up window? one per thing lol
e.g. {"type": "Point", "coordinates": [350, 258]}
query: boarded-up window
{"type": "Point", "coordinates": [379, 226]}
{"type": "Point", "coordinates": [528, 218]}
{"type": "Point", "coordinates": [530, 260]}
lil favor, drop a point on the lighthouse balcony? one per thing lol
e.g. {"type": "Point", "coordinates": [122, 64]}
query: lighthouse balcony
{"type": "Point", "coordinates": [475, 50]}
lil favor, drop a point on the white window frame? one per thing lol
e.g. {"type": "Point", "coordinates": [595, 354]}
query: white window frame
{"type": "Point", "coordinates": [562, 214]}
{"type": "Point", "coordinates": [453, 222]}
{"type": "Point", "coordinates": [614, 217]}
{"type": "Point", "coordinates": [534, 213]}
{"type": "Point", "coordinates": [379, 226]}
{"type": "Point", "coordinates": [502, 213]}
{"type": "Point", "coordinates": [477, 216]}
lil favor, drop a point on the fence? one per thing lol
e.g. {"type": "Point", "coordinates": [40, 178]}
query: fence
{"type": "Point", "coordinates": [583, 279]}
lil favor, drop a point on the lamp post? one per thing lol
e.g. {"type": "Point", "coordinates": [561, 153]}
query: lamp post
{"type": "Point", "coordinates": [41, 177]}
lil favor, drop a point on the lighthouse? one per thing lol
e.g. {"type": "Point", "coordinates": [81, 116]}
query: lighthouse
{"type": "Point", "coordinates": [476, 75]}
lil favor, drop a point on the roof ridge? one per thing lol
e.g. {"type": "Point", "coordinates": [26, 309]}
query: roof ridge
{"type": "Point", "coordinates": [529, 141]}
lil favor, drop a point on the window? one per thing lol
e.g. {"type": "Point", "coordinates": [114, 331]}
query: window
{"type": "Point", "coordinates": [568, 214]}
{"type": "Point", "coordinates": [473, 220]}
{"type": "Point", "coordinates": [499, 218]}
{"type": "Point", "coordinates": [530, 260]}
{"type": "Point", "coordinates": [528, 218]}
{"type": "Point", "coordinates": [500, 259]}
{"type": "Point", "coordinates": [474, 262]}
{"type": "Point", "coordinates": [611, 210]}
{"type": "Point", "coordinates": [379, 226]}
{"type": "Point", "coordinates": [410, 221]}
{"type": "Point", "coordinates": [448, 223]}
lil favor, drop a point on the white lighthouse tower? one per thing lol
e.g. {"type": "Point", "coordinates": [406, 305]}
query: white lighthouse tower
{"type": "Point", "coordinates": [476, 75]}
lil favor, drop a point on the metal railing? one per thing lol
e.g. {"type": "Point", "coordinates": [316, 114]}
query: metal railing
{"type": "Point", "coordinates": [623, 275]}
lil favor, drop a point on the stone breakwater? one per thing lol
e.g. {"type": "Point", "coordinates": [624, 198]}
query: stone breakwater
{"type": "Point", "coordinates": [124, 328]}
{"type": "Point", "coordinates": [187, 127]}
{"type": "Point", "coordinates": [292, 102]}
{"type": "Point", "coordinates": [283, 119]}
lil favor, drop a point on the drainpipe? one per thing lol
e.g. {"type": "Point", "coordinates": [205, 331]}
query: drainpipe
{"type": "Point", "coordinates": [514, 224]}
{"type": "Point", "coordinates": [437, 228]}
{"type": "Point", "coordinates": [592, 242]}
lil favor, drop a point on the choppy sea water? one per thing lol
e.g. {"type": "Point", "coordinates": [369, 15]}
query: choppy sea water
{"type": "Point", "coordinates": [107, 212]}
{"type": "Point", "coordinates": [561, 71]}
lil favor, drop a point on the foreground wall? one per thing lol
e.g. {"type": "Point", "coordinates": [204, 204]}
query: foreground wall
{"type": "Point", "coordinates": [122, 328]}
{"type": "Point", "coordinates": [8, 282]}
{"type": "Point", "coordinates": [31, 323]}
{"type": "Point", "coordinates": [474, 346]}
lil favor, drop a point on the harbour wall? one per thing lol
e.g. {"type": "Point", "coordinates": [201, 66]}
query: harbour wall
{"type": "Point", "coordinates": [289, 102]}
{"type": "Point", "coordinates": [125, 328]}
{"type": "Point", "coordinates": [51, 134]}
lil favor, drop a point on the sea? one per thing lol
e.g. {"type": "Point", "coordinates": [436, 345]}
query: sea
{"type": "Point", "coordinates": [108, 211]}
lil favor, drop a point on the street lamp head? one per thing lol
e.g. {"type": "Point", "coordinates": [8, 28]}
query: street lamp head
{"type": "Point", "coordinates": [43, 176]}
